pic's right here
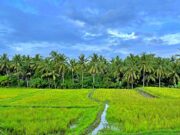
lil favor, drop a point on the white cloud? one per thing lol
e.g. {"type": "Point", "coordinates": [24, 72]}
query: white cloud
{"type": "Point", "coordinates": [92, 11]}
{"type": "Point", "coordinates": [18, 49]}
{"type": "Point", "coordinates": [168, 39]}
{"type": "Point", "coordinates": [171, 39]}
{"type": "Point", "coordinates": [124, 36]}
{"type": "Point", "coordinates": [88, 35]}
{"type": "Point", "coordinates": [28, 47]}
{"type": "Point", "coordinates": [78, 23]}
{"type": "Point", "coordinates": [75, 22]}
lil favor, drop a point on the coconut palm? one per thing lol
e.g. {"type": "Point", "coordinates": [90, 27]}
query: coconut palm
{"type": "Point", "coordinates": [160, 70]}
{"type": "Point", "coordinates": [16, 63]}
{"type": "Point", "coordinates": [117, 68]}
{"type": "Point", "coordinates": [62, 65]}
{"type": "Point", "coordinates": [27, 68]}
{"type": "Point", "coordinates": [150, 77]}
{"type": "Point", "coordinates": [45, 69]}
{"type": "Point", "coordinates": [131, 70]}
{"type": "Point", "coordinates": [72, 67]}
{"type": "Point", "coordinates": [94, 67]}
{"type": "Point", "coordinates": [4, 64]}
{"type": "Point", "coordinates": [82, 66]}
{"type": "Point", "coordinates": [146, 65]}
{"type": "Point", "coordinates": [174, 72]}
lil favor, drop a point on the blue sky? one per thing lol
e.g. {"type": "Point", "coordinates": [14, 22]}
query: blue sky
{"type": "Point", "coordinates": [73, 27]}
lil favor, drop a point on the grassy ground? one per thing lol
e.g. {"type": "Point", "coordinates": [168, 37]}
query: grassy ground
{"type": "Point", "coordinates": [32, 111]}
{"type": "Point", "coordinates": [163, 92]}
{"type": "Point", "coordinates": [29, 111]}
{"type": "Point", "coordinates": [130, 112]}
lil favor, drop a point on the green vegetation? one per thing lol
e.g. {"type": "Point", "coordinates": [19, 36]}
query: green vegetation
{"type": "Point", "coordinates": [30, 111]}
{"type": "Point", "coordinates": [45, 111]}
{"type": "Point", "coordinates": [130, 112]}
{"type": "Point", "coordinates": [45, 120]}
{"type": "Point", "coordinates": [59, 71]}
{"type": "Point", "coordinates": [163, 92]}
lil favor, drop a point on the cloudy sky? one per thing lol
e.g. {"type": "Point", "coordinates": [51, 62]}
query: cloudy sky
{"type": "Point", "coordinates": [107, 27]}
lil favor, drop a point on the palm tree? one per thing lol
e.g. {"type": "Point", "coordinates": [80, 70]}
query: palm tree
{"type": "Point", "coordinates": [160, 70]}
{"type": "Point", "coordinates": [174, 72]}
{"type": "Point", "coordinates": [62, 62]}
{"type": "Point", "coordinates": [27, 68]}
{"type": "Point", "coordinates": [117, 68]}
{"type": "Point", "coordinates": [16, 63]}
{"type": "Point", "coordinates": [4, 64]}
{"type": "Point", "coordinates": [54, 75]}
{"type": "Point", "coordinates": [146, 65]}
{"type": "Point", "coordinates": [73, 67]}
{"type": "Point", "coordinates": [150, 77]}
{"type": "Point", "coordinates": [131, 70]}
{"type": "Point", "coordinates": [45, 69]}
{"type": "Point", "coordinates": [82, 66]}
{"type": "Point", "coordinates": [94, 67]}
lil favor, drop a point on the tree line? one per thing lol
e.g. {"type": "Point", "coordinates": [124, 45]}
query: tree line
{"type": "Point", "coordinates": [59, 71]}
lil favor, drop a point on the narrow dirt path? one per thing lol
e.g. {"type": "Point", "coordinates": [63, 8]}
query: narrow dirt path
{"type": "Point", "coordinates": [97, 122]}
{"type": "Point", "coordinates": [144, 93]}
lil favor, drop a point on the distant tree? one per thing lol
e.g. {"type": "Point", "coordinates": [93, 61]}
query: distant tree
{"type": "Point", "coordinates": [94, 67]}
{"type": "Point", "coordinates": [160, 70]}
{"type": "Point", "coordinates": [117, 68]}
{"type": "Point", "coordinates": [4, 64]}
{"type": "Point", "coordinates": [16, 63]}
{"type": "Point", "coordinates": [174, 72]}
{"type": "Point", "coordinates": [63, 65]}
{"type": "Point", "coordinates": [145, 65]}
{"type": "Point", "coordinates": [59, 71]}
{"type": "Point", "coordinates": [73, 68]}
{"type": "Point", "coordinates": [82, 67]}
{"type": "Point", "coordinates": [131, 70]}
{"type": "Point", "coordinates": [45, 69]}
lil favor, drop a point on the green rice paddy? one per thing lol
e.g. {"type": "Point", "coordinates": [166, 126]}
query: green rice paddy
{"type": "Point", "coordinates": [45, 111]}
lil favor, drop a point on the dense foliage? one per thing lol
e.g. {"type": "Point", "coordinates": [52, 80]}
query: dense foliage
{"type": "Point", "coordinates": [59, 71]}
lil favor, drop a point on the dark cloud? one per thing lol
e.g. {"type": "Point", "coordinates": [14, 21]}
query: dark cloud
{"type": "Point", "coordinates": [67, 23]}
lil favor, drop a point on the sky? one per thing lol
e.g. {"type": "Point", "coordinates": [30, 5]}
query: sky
{"type": "Point", "coordinates": [106, 27]}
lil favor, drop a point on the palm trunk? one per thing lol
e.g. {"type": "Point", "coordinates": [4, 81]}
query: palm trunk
{"type": "Point", "coordinates": [132, 83]}
{"type": "Point", "coordinates": [27, 82]}
{"type": "Point", "coordinates": [63, 78]}
{"type": "Point", "coordinates": [7, 74]}
{"type": "Point", "coordinates": [18, 81]}
{"type": "Point", "coordinates": [82, 79]}
{"type": "Point", "coordinates": [132, 86]}
{"type": "Point", "coordinates": [72, 77]}
{"type": "Point", "coordinates": [159, 81]}
{"type": "Point", "coordinates": [143, 78]}
{"type": "Point", "coordinates": [119, 84]}
{"type": "Point", "coordinates": [48, 83]}
{"type": "Point", "coordinates": [93, 80]}
{"type": "Point", "coordinates": [55, 84]}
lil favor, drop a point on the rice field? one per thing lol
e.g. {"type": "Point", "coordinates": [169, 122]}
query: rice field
{"type": "Point", "coordinates": [163, 92]}
{"type": "Point", "coordinates": [54, 112]}
{"type": "Point", "coordinates": [130, 112]}
{"type": "Point", "coordinates": [30, 111]}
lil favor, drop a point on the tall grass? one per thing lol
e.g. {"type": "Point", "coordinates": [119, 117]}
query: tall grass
{"type": "Point", "coordinates": [130, 112]}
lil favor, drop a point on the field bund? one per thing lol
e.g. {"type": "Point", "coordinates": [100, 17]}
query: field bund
{"type": "Point", "coordinates": [45, 111]}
